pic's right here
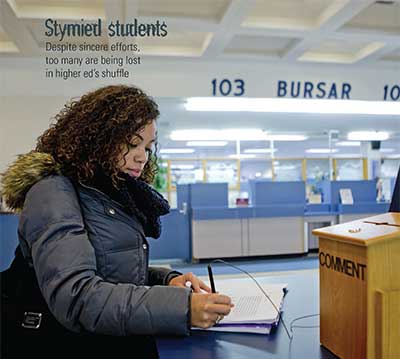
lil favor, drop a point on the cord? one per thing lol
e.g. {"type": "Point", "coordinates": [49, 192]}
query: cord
{"type": "Point", "coordinates": [303, 326]}
{"type": "Point", "coordinates": [259, 286]}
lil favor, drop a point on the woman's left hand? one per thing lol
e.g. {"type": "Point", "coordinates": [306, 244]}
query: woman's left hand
{"type": "Point", "coordinates": [197, 284]}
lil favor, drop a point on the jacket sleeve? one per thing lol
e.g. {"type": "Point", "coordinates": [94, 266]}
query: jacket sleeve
{"type": "Point", "coordinates": [65, 264]}
{"type": "Point", "coordinates": [161, 276]}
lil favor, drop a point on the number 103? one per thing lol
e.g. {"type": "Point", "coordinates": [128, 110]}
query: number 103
{"type": "Point", "coordinates": [227, 87]}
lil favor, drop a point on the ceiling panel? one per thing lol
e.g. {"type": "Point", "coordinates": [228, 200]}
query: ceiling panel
{"type": "Point", "coordinates": [286, 13]}
{"type": "Point", "coordinates": [258, 44]}
{"type": "Point", "coordinates": [62, 9]}
{"type": "Point", "coordinates": [175, 44]}
{"type": "Point", "coordinates": [378, 16]}
{"type": "Point", "coordinates": [210, 9]}
{"type": "Point", "coordinates": [393, 56]}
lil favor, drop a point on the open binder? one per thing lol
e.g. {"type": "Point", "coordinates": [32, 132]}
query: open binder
{"type": "Point", "coordinates": [253, 312]}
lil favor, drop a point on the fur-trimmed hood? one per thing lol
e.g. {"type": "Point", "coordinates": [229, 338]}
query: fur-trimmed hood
{"type": "Point", "coordinates": [22, 174]}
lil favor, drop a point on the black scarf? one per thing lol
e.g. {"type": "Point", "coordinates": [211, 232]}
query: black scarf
{"type": "Point", "coordinates": [138, 199]}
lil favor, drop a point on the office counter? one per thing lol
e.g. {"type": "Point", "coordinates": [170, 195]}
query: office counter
{"type": "Point", "coordinates": [302, 299]}
{"type": "Point", "coordinates": [220, 231]}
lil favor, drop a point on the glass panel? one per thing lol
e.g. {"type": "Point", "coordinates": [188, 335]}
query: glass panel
{"type": "Point", "coordinates": [317, 169]}
{"type": "Point", "coordinates": [349, 169]}
{"type": "Point", "coordinates": [255, 169]}
{"type": "Point", "coordinates": [222, 171]}
{"type": "Point", "coordinates": [389, 169]}
{"type": "Point", "coordinates": [288, 170]}
{"type": "Point", "coordinates": [182, 172]}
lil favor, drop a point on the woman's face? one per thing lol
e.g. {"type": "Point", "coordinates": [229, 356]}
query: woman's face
{"type": "Point", "coordinates": [139, 151]}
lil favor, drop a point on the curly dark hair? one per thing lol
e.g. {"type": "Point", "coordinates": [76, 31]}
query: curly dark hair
{"type": "Point", "coordinates": [90, 131]}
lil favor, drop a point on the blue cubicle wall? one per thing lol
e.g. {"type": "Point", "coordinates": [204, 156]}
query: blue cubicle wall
{"type": "Point", "coordinates": [8, 239]}
{"type": "Point", "coordinates": [363, 190]}
{"type": "Point", "coordinates": [280, 193]}
{"type": "Point", "coordinates": [364, 197]}
{"type": "Point", "coordinates": [174, 242]}
{"type": "Point", "coordinates": [208, 195]}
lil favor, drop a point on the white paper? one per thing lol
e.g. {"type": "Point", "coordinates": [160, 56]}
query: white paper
{"type": "Point", "coordinates": [251, 305]}
{"type": "Point", "coordinates": [346, 196]}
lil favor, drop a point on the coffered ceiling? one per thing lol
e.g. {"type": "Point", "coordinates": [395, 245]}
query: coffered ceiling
{"type": "Point", "coordinates": [349, 32]}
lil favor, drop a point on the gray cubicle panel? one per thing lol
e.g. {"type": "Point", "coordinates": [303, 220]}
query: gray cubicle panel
{"type": "Point", "coordinates": [217, 238]}
{"type": "Point", "coordinates": [276, 235]}
{"type": "Point", "coordinates": [343, 218]}
{"type": "Point", "coordinates": [317, 215]}
{"type": "Point", "coordinates": [315, 222]}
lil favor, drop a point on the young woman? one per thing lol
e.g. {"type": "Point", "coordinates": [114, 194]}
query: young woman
{"type": "Point", "coordinates": [86, 209]}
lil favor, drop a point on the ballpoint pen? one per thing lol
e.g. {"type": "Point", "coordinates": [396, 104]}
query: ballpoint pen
{"type": "Point", "coordinates": [210, 275]}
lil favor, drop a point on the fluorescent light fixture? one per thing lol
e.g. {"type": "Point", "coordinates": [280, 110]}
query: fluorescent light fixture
{"type": "Point", "coordinates": [177, 150]}
{"type": "Point", "coordinates": [230, 104]}
{"type": "Point", "coordinates": [286, 137]}
{"type": "Point", "coordinates": [229, 134]}
{"type": "Point", "coordinates": [321, 150]}
{"type": "Point", "coordinates": [259, 150]}
{"type": "Point", "coordinates": [395, 155]}
{"type": "Point", "coordinates": [348, 143]}
{"type": "Point", "coordinates": [242, 156]}
{"type": "Point", "coordinates": [368, 136]}
{"type": "Point", "coordinates": [352, 156]}
{"type": "Point", "coordinates": [207, 143]}
{"type": "Point", "coordinates": [387, 150]}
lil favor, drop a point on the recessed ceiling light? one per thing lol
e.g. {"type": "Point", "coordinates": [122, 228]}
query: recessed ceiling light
{"type": "Point", "coordinates": [286, 137]}
{"type": "Point", "coordinates": [348, 155]}
{"type": "Point", "coordinates": [229, 134]}
{"type": "Point", "coordinates": [177, 150]}
{"type": "Point", "coordinates": [348, 143]}
{"type": "Point", "coordinates": [242, 156]}
{"type": "Point", "coordinates": [321, 150]}
{"type": "Point", "coordinates": [368, 135]}
{"type": "Point", "coordinates": [284, 105]}
{"type": "Point", "coordinates": [260, 150]}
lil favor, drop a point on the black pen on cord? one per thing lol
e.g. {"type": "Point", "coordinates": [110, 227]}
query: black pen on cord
{"type": "Point", "coordinates": [210, 275]}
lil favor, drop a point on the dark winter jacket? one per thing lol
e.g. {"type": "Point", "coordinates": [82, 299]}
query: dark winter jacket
{"type": "Point", "coordinates": [90, 255]}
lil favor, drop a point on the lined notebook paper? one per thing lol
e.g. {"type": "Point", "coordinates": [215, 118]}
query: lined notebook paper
{"type": "Point", "coordinates": [253, 312]}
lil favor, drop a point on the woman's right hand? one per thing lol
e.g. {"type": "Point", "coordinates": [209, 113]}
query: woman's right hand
{"type": "Point", "coordinates": [207, 308]}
